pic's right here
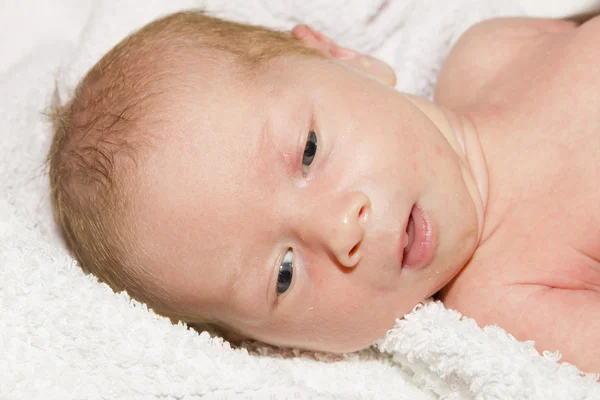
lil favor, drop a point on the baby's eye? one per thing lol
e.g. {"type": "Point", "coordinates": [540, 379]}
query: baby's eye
{"type": "Point", "coordinates": [286, 271]}
{"type": "Point", "coordinates": [309, 151]}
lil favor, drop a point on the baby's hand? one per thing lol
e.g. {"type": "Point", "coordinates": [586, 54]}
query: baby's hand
{"type": "Point", "coordinates": [329, 48]}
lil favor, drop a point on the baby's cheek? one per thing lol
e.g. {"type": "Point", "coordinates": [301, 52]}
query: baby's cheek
{"type": "Point", "coordinates": [321, 274]}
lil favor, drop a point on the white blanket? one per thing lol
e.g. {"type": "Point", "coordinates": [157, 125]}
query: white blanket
{"type": "Point", "coordinates": [65, 336]}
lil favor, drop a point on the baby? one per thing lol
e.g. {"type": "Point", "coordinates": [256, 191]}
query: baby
{"type": "Point", "coordinates": [278, 187]}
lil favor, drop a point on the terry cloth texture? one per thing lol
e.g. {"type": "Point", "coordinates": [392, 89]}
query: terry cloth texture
{"type": "Point", "coordinates": [65, 336]}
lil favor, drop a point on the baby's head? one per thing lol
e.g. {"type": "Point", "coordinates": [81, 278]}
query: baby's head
{"type": "Point", "coordinates": [230, 174]}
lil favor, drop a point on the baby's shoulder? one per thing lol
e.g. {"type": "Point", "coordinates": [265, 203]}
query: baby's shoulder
{"type": "Point", "coordinates": [487, 49]}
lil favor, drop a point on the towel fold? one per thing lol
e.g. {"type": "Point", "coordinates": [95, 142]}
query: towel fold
{"type": "Point", "coordinates": [454, 358]}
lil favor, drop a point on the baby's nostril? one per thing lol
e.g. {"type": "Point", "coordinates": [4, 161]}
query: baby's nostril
{"type": "Point", "coordinates": [353, 251]}
{"type": "Point", "coordinates": [362, 212]}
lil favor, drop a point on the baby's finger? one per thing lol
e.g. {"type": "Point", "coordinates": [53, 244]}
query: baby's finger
{"type": "Point", "coordinates": [354, 59]}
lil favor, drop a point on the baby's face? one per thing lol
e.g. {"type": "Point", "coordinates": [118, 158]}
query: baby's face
{"type": "Point", "coordinates": [242, 223]}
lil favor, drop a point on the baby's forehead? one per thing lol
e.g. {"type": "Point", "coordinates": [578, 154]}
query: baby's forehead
{"type": "Point", "coordinates": [205, 128]}
{"type": "Point", "coordinates": [215, 124]}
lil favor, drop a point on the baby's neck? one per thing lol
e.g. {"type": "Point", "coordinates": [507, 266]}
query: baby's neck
{"type": "Point", "coordinates": [462, 134]}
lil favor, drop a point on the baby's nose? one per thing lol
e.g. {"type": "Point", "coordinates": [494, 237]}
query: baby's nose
{"type": "Point", "coordinates": [340, 227]}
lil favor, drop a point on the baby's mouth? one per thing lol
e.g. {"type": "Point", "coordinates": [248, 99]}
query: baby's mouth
{"type": "Point", "coordinates": [410, 232]}
{"type": "Point", "coordinates": [418, 236]}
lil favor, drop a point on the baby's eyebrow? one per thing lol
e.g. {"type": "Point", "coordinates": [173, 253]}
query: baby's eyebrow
{"type": "Point", "coordinates": [250, 290]}
{"type": "Point", "coordinates": [266, 144]}
{"type": "Point", "coordinates": [286, 149]}
{"type": "Point", "coordinates": [236, 277]}
{"type": "Point", "coordinates": [251, 274]}
{"type": "Point", "coordinates": [265, 135]}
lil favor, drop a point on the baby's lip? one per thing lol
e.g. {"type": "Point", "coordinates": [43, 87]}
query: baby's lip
{"type": "Point", "coordinates": [404, 236]}
{"type": "Point", "coordinates": [419, 252]}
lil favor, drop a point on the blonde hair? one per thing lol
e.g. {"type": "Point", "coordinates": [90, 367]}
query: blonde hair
{"type": "Point", "coordinates": [98, 134]}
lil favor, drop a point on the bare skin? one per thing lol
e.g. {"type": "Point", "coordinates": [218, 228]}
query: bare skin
{"type": "Point", "coordinates": [534, 102]}
{"type": "Point", "coordinates": [504, 163]}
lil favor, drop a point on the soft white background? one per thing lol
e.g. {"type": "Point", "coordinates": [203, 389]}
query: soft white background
{"type": "Point", "coordinates": [63, 335]}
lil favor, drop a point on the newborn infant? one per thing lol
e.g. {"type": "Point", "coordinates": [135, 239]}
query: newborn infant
{"type": "Point", "coordinates": [277, 186]}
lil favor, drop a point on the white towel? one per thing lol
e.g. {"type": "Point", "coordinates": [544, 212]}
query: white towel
{"type": "Point", "coordinates": [65, 336]}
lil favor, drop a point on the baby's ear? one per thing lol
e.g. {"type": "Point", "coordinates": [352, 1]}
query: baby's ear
{"type": "Point", "coordinates": [324, 45]}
